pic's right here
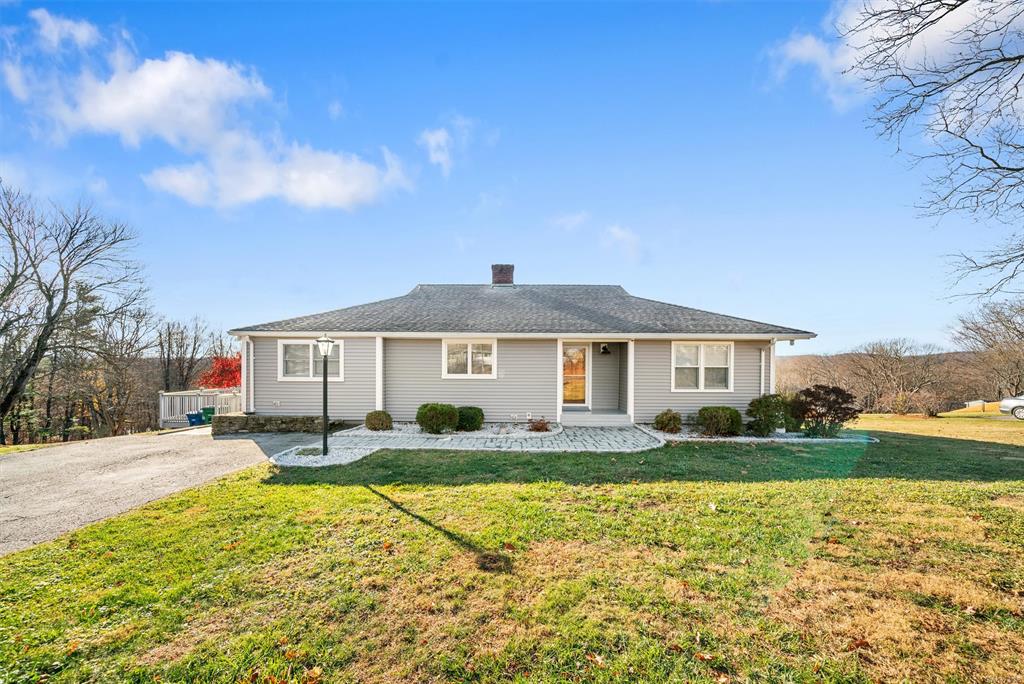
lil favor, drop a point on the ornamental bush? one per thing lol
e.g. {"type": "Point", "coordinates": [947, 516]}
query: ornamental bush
{"type": "Point", "coordinates": [795, 410]}
{"type": "Point", "coordinates": [538, 425]}
{"type": "Point", "coordinates": [471, 418]}
{"type": "Point", "coordinates": [437, 418]}
{"type": "Point", "coordinates": [826, 409]}
{"type": "Point", "coordinates": [378, 420]}
{"type": "Point", "coordinates": [719, 421]}
{"type": "Point", "coordinates": [668, 421]}
{"type": "Point", "coordinates": [767, 413]}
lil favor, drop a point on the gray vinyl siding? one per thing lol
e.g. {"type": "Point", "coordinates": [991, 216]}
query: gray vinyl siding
{"type": "Point", "coordinates": [526, 383]}
{"type": "Point", "coordinates": [351, 399]}
{"type": "Point", "coordinates": [654, 389]}
{"type": "Point", "coordinates": [604, 394]}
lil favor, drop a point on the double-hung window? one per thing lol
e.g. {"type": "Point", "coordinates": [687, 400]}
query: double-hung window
{"type": "Point", "coordinates": [469, 359]}
{"type": "Point", "coordinates": [299, 360]}
{"type": "Point", "coordinates": [702, 366]}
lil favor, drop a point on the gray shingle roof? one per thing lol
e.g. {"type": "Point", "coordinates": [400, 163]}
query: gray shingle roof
{"type": "Point", "coordinates": [521, 309]}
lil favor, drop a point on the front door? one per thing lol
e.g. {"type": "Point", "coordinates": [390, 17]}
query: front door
{"type": "Point", "coordinates": [574, 374]}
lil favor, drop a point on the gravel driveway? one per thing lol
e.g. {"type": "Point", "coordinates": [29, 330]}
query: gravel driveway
{"type": "Point", "coordinates": [50, 491]}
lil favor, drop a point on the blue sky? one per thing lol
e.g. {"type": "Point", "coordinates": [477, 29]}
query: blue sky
{"type": "Point", "coordinates": [278, 160]}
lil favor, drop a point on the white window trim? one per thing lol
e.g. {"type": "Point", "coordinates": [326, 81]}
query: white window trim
{"type": "Point", "coordinates": [700, 365]}
{"type": "Point", "coordinates": [314, 357]}
{"type": "Point", "coordinates": [469, 375]}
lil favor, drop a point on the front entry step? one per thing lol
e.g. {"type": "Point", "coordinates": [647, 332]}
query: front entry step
{"type": "Point", "coordinates": [577, 418]}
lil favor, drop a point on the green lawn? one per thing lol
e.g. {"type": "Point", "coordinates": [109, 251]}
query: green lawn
{"type": "Point", "coordinates": [899, 561]}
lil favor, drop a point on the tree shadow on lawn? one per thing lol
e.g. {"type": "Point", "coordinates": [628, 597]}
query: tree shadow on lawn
{"type": "Point", "coordinates": [488, 561]}
{"type": "Point", "coordinates": [896, 456]}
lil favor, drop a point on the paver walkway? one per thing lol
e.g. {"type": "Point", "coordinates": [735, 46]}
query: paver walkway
{"type": "Point", "coordinates": [347, 447]}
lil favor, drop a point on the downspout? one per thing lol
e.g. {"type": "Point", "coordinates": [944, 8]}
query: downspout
{"type": "Point", "coordinates": [771, 370]}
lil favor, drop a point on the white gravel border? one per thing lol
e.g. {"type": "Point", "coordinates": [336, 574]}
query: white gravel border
{"type": "Point", "coordinates": [691, 435]}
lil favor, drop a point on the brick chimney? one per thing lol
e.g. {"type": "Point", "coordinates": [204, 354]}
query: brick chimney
{"type": "Point", "coordinates": [501, 274]}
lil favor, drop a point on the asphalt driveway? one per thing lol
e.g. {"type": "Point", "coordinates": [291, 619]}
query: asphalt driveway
{"type": "Point", "coordinates": [50, 491]}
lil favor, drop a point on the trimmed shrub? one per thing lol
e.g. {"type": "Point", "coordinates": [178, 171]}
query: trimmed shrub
{"type": "Point", "coordinates": [437, 418]}
{"type": "Point", "coordinates": [795, 410]}
{"type": "Point", "coordinates": [826, 409]}
{"type": "Point", "coordinates": [378, 420]}
{"type": "Point", "coordinates": [668, 421]}
{"type": "Point", "coordinates": [767, 413]}
{"type": "Point", "coordinates": [471, 418]}
{"type": "Point", "coordinates": [719, 421]}
{"type": "Point", "coordinates": [538, 425]}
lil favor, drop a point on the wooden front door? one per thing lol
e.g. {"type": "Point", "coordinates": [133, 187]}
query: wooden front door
{"type": "Point", "coordinates": [574, 374]}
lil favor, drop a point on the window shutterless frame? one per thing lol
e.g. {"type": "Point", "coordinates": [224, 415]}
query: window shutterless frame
{"type": "Point", "coordinates": [315, 361]}
{"type": "Point", "coordinates": [701, 364]}
{"type": "Point", "coordinates": [469, 374]}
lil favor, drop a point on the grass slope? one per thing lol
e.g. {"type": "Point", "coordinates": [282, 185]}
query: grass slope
{"type": "Point", "coordinates": [902, 560]}
{"type": "Point", "coordinates": [977, 428]}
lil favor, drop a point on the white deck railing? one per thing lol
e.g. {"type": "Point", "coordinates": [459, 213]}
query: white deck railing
{"type": "Point", "coordinates": [174, 405]}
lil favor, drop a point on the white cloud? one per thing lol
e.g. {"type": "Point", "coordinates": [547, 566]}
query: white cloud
{"type": "Point", "coordinates": [179, 99]}
{"type": "Point", "coordinates": [14, 78]}
{"type": "Point", "coordinates": [830, 61]}
{"type": "Point", "coordinates": [335, 110]}
{"type": "Point", "coordinates": [833, 52]}
{"type": "Point", "coordinates": [623, 240]}
{"type": "Point", "coordinates": [195, 105]}
{"type": "Point", "coordinates": [570, 222]}
{"type": "Point", "coordinates": [191, 182]}
{"type": "Point", "coordinates": [53, 30]}
{"type": "Point", "coordinates": [438, 143]}
{"type": "Point", "coordinates": [453, 137]}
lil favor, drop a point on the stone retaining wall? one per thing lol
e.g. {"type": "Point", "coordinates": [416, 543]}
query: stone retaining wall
{"type": "Point", "coordinates": [234, 423]}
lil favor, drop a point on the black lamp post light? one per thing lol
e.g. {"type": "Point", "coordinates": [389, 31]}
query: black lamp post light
{"type": "Point", "coordinates": [325, 345]}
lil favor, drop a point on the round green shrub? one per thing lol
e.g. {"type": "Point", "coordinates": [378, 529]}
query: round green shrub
{"type": "Point", "coordinates": [768, 414]}
{"type": "Point", "coordinates": [437, 418]}
{"type": "Point", "coordinates": [471, 418]}
{"type": "Point", "coordinates": [668, 421]}
{"type": "Point", "coordinates": [719, 421]}
{"type": "Point", "coordinates": [378, 420]}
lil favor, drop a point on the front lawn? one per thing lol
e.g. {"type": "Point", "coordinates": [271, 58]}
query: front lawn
{"type": "Point", "coordinates": [899, 561]}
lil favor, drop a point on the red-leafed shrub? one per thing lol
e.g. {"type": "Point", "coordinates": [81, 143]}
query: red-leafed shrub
{"type": "Point", "coordinates": [224, 371]}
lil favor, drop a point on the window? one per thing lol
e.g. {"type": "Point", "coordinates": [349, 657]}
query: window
{"type": "Point", "coordinates": [469, 358]}
{"type": "Point", "coordinates": [300, 360]}
{"type": "Point", "coordinates": [702, 366]}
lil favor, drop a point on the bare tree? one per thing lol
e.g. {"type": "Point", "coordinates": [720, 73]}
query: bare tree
{"type": "Point", "coordinates": [954, 69]}
{"type": "Point", "coordinates": [183, 347]}
{"type": "Point", "coordinates": [117, 382]}
{"type": "Point", "coordinates": [995, 333]}
{"type": "Point", "coordinates": [896, 371]}
{"type": "Point", "coordinates": [51, 260]}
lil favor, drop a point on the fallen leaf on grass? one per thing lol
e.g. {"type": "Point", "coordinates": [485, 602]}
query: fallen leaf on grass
{"type": "Point", "coordinates": [72, 647]}
{"type": "Point", "coordinates": [596, 659]}
{"type": "Point", "coordinates": [508, 546]}
{"type": "Point", "coordinates": [291, 654]}
{"type": "Point", "coordinates": [858, 644]}
{"type": "Point", "coordinates": [703, 656]}
{"type": "Point", "coordinates": [231, 545]}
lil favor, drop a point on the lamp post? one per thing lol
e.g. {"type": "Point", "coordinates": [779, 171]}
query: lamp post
{"type": "Point", "coordinates": [324, 345]}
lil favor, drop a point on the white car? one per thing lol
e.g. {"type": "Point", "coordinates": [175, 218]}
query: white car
{"type": "Point", "coordinates": [1014, 406]}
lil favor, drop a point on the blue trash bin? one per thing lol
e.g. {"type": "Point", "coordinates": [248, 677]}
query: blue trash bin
{"type": "Point", "coordinates": [195, 418]}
